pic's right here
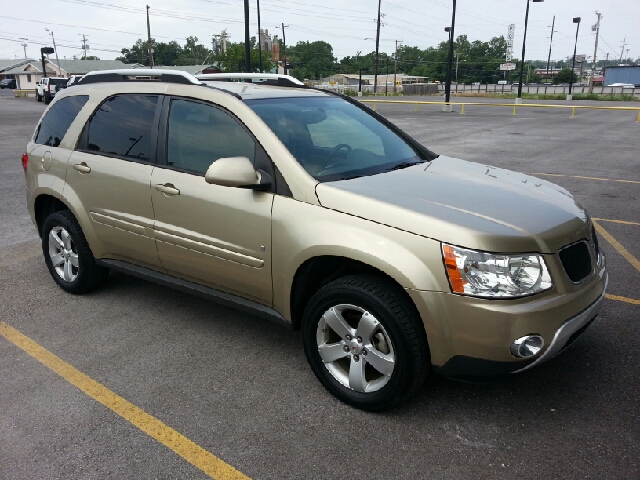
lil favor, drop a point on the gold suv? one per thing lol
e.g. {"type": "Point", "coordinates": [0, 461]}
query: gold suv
{"type": "Point", "coordinates": [306, 207]}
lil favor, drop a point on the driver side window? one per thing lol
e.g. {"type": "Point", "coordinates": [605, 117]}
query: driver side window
{"type": "Point", "coordinates": [199, 134]}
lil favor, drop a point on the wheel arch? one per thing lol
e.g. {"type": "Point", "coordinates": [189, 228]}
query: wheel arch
{"type": "Point", "coordinates": [317, 271]}
{"type": "Point", "coordinates": [45, 204]}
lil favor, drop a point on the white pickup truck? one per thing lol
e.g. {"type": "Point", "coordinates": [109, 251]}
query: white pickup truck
{"type": "Point", "coordinates": [47, 87]}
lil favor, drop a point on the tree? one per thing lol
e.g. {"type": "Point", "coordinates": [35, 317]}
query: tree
{"type": "Point", "coordinates": [233, 60]}
{"type": "Point", "coordinates": [566, 75]}
{"type": "Point", "coordinates": [311, 60]}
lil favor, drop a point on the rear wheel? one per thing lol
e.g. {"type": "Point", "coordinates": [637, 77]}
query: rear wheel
{"type": "Point", "coordinates": [365, 342]}
{"type": "Point", "coordinates": [47, 99]}
{"type": "Point", "coordinates": [68, 256]}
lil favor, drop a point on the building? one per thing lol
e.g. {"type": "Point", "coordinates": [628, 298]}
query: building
{"type": "Point", "coordinates": [353, 79]}
{"type": "Point", "coordinates": [28, 73]}
{"type": "Point", "coordinates": [622, 74]}
{"type": "Point", "coordinates": [9, 64]}
{"type": "Point", "coordinates": [271, 45]}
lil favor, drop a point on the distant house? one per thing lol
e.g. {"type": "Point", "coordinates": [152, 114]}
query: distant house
{"type": "Point", "coordinates": [354, 79]}
{"type": "Point", "coordinates": [29, 72]}
{"type": "Point", "coordinates": [10, 64]}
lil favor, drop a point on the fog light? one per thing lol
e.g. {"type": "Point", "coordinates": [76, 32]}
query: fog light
{"type": "Point", "coordinates": [527, 346]}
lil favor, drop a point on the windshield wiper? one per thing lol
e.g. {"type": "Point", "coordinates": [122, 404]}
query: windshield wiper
{"type": "Point", "coordinates": [402, 165]}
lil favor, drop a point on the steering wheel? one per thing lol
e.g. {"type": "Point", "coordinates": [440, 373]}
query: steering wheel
{"type": "Point", "coordinates": [333, 151]}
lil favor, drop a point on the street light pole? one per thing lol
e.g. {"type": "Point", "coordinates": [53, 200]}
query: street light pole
{"type": "Point", "coordinates": [24, 45]}
{"type": "Point", "coordinates": [524, 41]}
{"type": "Point", "coordinates": [447, 87]}
{"type": "Point", "coordinates": [573, 64]}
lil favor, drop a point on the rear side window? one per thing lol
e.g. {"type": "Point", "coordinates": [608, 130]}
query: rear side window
{"type": "Point", "coordinates": [56, 122]}
{"type": "Point", "coordinates": [122, 127]}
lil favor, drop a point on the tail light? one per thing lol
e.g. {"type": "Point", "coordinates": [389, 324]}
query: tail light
{"type": "Point", "coordinates": [25, 161]}
{"type": "Point", "coordinates": [49, 88]}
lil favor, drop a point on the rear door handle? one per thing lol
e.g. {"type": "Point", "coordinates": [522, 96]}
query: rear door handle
{"type": "Point", "coordinates": [82, 167]}
{"type": "Point", "coordinates": [168, 189]}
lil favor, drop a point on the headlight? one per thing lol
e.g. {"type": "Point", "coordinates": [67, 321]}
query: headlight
{"type": "Point", "coordinates": [489, 275]}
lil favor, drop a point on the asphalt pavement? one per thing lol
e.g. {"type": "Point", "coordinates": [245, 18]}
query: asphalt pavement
{"type": "Point", "coordinates": [240, 387]}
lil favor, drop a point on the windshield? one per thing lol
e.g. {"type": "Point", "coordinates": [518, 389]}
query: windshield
{"type": "Point", "coordinates": [333, 139]}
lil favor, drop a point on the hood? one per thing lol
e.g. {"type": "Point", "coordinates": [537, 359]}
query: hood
{"type": "Point", "coordinates": [465, 204]}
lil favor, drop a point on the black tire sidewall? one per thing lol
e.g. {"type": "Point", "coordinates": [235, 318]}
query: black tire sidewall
{"type": "Point", "coordinates": [330, 296]}
{"type": "Point", "coordinates": [66, 220]}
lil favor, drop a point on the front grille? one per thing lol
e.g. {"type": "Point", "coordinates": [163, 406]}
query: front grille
{"type": "Point", "coordinates": [576, 261]}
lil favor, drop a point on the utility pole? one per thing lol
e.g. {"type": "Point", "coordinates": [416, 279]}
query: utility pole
{"type": "Point", "coordinates": [550, 44]}
{"type": "Point", "coordinates": [24, 45]}
{"type": "Point", "coordinates": [150, 48]}
{"type": "Point", "coordinates": [595, 51]}
{"type": "Point", "coordinates": [284, 49]}
{"type": "Point", "coordinates": [447, 87]}
{"type": "Point", "coordinates": [375, 76]}
{"type": "Point", "coordinates": [58, 60]}
{"type": "Point", "coordinates": [259, 36]}
{"type": "Point", "coordinates": [84, 47]}
{"type": "Point", "coordinates": [395, 66]}
{"type": "Point", "coordinates": [624, 44]}
{"type": "Point", "coordinates": [247, 46]}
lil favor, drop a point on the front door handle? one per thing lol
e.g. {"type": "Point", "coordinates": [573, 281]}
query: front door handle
{"type": "Point", "coordinates": [168, 189]}
{"type": "Point", "coordinates": [82, 167]}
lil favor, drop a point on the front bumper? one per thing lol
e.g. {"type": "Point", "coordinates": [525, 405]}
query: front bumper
{"type": "Point", "coordinates": [469, 336]}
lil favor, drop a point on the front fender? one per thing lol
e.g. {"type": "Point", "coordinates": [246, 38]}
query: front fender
{"type": "Point", "coordinates": [302, 231]}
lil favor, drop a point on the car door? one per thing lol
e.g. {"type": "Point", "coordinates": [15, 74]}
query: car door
{"type": "Point", "coordinates": [109, 175]}
{"type": "Point", "coordinates": [214, 235]}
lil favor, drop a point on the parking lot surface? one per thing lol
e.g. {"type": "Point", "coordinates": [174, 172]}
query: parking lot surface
{"type": "Point", "coordinates": [240, 388]}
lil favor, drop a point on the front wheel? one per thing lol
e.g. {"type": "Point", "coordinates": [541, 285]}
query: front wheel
{"type": "Point", "coordinates": [68, 256]}
{"type": "Point", "coordinates": [365, 342]}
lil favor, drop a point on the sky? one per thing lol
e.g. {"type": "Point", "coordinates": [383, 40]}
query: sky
{"type": "Point", "coordinates": [349, 26]}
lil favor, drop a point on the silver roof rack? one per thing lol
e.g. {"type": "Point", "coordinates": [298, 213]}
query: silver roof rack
{"type": "Point", "coordinates": [265, 78]}
{"type": "Point", "coordinates": [139, 74]}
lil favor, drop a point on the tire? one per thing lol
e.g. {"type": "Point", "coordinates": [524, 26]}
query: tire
{"type": "Point", "coordinates": [387, 346]}
{"type": "Point", "coordinates": [64, 244]}
{"type": "Point", "coordinates": [38, 97]}
{"type": "Point", "coordinates": [47, 99]}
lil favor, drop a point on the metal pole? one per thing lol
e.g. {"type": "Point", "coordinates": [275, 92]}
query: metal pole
{"type": "Point", "coordinates": [259, 35]}
{"type": "Point", "coordinates": [149, 39]}
{"type": "Point", "coordinates": [284, 50]}
{"type": "Point", "coordinates": [247, 46]}
{"type": "Point", "coordinates": [395, 67]}
{"type": "Point", "coordinates": [360, 82]}
{"type": "Point", "coordinates": [550, 44]}
{"type": "Point", "coordinates": [24, 45]}
{"type": "Point", "coordinates": [573, 64]}
{"type": "Point", "coordinates": [447, 88]}
{"type": "Point", "coordinates": [386, 80]}
{"type": "Point", "coordinates": [524, 41]}
{"type": "Point", "coordinates": [375, 76]}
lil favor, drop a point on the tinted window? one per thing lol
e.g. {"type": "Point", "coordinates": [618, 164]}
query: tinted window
{"type": "Point", "coordinates": [333, 139]}
{"type": "Point", "coordinates": [57, 120]}
{"type": "Point", "coordinates": [122, 126]}
{"type": "Point", "coordinates": [199, 134]}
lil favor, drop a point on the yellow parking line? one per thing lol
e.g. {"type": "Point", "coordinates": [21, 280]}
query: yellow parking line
{"type": "Point", "coordinates": [586, 178]}
{"type": "Point", "coordinates": [616, 221]}
{"type": "Point", "coordinates": [615, 244]}
{"type": "Point", "coordinates": [190, 451]}
{"type": "Point", "coordinates": [623, 299]}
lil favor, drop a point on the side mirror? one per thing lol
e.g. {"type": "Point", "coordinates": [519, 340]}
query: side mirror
{"type": "Point", "coordinates": [237, 172]}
